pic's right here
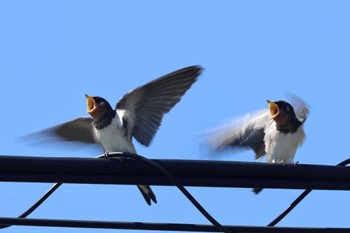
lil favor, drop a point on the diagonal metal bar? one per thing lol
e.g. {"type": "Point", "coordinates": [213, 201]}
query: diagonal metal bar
{"type": "Point", "coordinates": [299, 199]}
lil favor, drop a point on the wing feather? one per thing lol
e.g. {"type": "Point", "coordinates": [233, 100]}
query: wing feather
{"type": "Point", "coordinates": [246, 133]}
{"type": "Point", "coordinates": [78, 130]}
{"type": "Point", "coordinates": [301, 109]}
{"type": "Point", "coordinates": [146, 105]}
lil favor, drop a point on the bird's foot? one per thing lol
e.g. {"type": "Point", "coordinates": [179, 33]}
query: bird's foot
{"type": "Point", "coordinates": [290, 162]}
{"type": "Point", "coordinates": [116, 155]}
{"type": "Point", "coordinates": [279, 161]}
{"type": "Point", "coordinates": [106, 155]}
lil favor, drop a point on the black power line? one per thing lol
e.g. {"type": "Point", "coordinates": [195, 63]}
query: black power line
{"type": "Point", "coordinates": [163, 226]}
{"type": "Point", "coordinates": [187, 172]}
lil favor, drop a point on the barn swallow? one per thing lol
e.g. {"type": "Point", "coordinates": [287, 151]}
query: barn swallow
{"type": "Point", "coordinates": [276, 132]}
{"type": "Point", "coordinates": [138, 114]}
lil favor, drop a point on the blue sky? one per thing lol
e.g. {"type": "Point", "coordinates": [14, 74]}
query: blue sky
{"type": "Point", "coordinates": [53, 52]}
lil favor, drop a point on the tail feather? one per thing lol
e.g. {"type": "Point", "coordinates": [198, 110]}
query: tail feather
{"type": "Point", "coordinates": [147, 193]}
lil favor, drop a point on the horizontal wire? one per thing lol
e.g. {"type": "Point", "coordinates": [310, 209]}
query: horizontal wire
{"type": "Point", "coordinates": [199, 173]}
{"type": "Point", "coordinates": [161, 226]}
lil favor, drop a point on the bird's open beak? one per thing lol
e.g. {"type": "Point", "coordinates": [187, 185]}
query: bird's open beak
{"type": "Point", "coordinates": [274, 110]}
{"type": "Point", "coordinates": [90, 104]}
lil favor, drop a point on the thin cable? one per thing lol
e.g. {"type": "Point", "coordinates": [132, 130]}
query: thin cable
{"type": "Point", "coordinates": [36, 204]}
{"type": "Point", "coordinates": [41, 200]}
{"type": "Point", "coordinates": [298, 200]}
{"type": "Point", "coordinates": [173, 180]}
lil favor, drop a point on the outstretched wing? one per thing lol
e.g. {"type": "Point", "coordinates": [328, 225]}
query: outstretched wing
{"type": "Point", "coordinates": [144, 107]}
{"type": "Point", "coordinates": [245, 133]}
{"type": "Point", "coordinates": [78, 131]}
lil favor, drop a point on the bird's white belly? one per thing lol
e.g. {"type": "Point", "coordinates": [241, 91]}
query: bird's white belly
{"type": "Point", "coordinates": [113, 138]}
{"type": "Point", "coordinates": [281, 147]}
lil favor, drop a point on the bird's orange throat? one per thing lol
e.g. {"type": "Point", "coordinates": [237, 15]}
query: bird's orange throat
{"type": "Point", "coordinates": [90, 103]}
{"type": "Point", "coordinates": [92, 108]}
{"type": "Point", "coordinates": [276, 114]}
{"type": "Point", "coordinates": [274, 109]}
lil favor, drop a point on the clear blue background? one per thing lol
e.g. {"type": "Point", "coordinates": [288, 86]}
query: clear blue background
{"type": "Point", "coordinates": [53, 52]}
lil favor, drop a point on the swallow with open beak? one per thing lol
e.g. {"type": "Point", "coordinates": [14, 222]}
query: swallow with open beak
{"type": "Point", "coordinates": [138, 114]}
{"type": "Point", "coordinates": [276, 132]}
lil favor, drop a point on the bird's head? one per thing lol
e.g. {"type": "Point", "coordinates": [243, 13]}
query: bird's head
{"type": "Point", "coordinates": [281, 111]}
{"type": "Point", "coordinates": [97, 106]}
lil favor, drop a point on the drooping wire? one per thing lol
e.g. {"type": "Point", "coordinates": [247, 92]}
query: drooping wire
{"type": "Point", "coordinates": [298, 200]}
{"type": "Point", "coordinates": [173, 180]}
